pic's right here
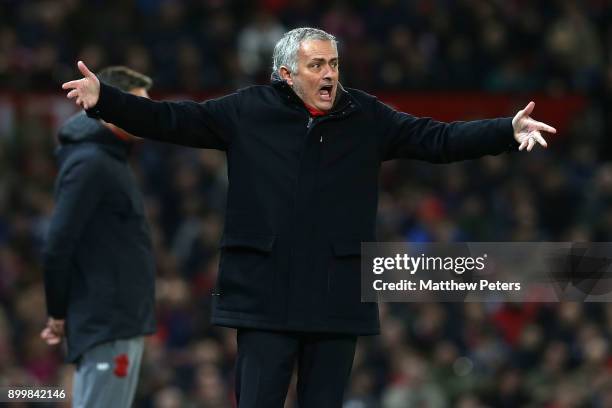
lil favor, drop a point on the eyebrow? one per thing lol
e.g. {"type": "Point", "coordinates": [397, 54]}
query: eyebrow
{"type": "Point", "coordinates": [323, 59]}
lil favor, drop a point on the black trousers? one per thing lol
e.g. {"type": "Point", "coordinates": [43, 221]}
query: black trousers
{"type": "Point", "coordinates": [266, 360]}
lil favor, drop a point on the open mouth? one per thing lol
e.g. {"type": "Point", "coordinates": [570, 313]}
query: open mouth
{"type": "Point", "coordinates": [325, 92]}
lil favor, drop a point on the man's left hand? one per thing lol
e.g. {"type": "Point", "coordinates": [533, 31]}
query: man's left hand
{"type": "Point", "coordinates": [527, 131]}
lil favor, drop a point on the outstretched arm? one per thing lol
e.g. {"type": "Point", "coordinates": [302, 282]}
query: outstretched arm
{"type": "Point", "coordinates": [208, 125]}
{"type": "Point", "coordinates": [406, 136]}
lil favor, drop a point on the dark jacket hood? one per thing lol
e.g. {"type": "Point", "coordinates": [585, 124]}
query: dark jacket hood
{"type": "Point", "coordinates": [80, 130]}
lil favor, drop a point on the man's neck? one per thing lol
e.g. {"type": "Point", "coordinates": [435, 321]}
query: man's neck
{"type": "Point", "coordinates": [118, 132]}
{"type": "Point", "coordinates": [314, 111]}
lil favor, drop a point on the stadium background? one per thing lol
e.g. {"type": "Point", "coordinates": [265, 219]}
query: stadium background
{"type": "Point", "coordinates": [447, 59]}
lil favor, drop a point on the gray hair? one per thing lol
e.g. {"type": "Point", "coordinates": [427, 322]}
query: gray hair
{"type": "Point", "coordinates": [286, 49]}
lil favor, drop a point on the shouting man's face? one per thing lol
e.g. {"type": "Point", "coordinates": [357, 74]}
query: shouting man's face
{"type": "Point", "coordinates": [316, 79]}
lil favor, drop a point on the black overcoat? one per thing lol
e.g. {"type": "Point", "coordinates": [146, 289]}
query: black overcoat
{"type": "Point", "coordinates": [303, 192]}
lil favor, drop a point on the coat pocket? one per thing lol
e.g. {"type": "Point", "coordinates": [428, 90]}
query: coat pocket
{"type": "Point", "coordinates": [344, 281]}
{"type": "Point", "coordinates": [247, 271]}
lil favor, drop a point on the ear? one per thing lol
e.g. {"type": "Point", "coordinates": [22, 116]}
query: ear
{"type": "Point", "coordinates": [285, 74]}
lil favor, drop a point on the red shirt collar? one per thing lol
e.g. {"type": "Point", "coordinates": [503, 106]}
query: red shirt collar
{"type": "Point", "coordinates": [314, 111]}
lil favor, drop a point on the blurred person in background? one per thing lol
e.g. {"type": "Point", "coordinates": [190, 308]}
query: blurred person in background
{"type": "Point", "coordinates": [303, 160]}
{"type": "Point", "coordinates": [98, 263]}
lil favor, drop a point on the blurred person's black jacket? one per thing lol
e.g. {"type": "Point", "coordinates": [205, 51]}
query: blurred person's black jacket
{"type": "Point", "coordinates": [302, 195]}
{"type": "Point", "coordinates": [98, 261]}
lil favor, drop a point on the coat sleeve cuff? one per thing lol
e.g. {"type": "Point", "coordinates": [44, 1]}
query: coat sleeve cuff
{"type": "Point", "coordinates": [56, 309]}
{"type": "Point", "coordinates": [106, 93]}
{"type": "Point", "coordinates": [506, 126]}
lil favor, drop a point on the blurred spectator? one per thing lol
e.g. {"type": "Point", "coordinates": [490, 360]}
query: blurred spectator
{"type": "Point", "coordinates": [192, 46]}
{"type": "Point", "coordinates": [256, 42]}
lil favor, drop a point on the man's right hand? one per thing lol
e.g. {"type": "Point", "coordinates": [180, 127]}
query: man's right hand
{"type": "Point", "coordinates": [54, 332]}
{"type": "Point", "coordinates": [86, 90]}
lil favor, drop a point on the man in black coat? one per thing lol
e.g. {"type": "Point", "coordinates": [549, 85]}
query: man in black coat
{"type": "Point", "coordinates": [303, 160]}
{"type": "Point", "coordinates": [98, 261]}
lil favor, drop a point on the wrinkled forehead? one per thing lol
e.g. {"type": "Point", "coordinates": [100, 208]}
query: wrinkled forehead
{"type": "Point", "coordinates": [317, 49]}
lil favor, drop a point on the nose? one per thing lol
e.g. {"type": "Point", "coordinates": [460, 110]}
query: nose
{"type": "Point", "coordinates": [328, 73]}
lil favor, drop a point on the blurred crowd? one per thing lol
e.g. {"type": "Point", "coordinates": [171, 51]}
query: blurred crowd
{"type": "Point", "coordinates": [195, 45]}
{"type": "Point", "coordinates": [428, 355]}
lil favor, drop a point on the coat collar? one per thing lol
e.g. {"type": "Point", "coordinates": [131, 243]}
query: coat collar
{"type": "Point", "coordinates": [343, 104]}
